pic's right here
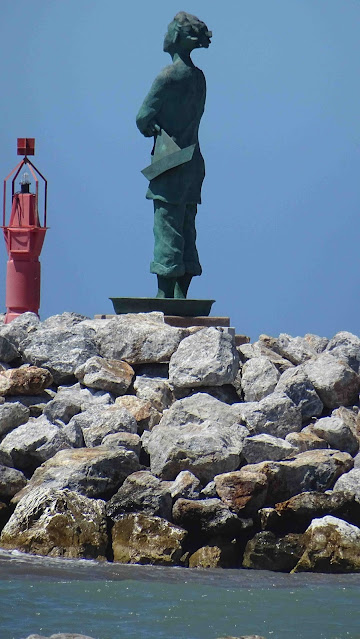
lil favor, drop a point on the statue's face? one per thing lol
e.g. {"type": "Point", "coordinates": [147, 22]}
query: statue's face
{"type": "Point", "coordinates": [187, 41]}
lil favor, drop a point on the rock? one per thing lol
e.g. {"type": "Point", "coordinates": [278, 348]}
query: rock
{"type": "Point", "coordinates": [27, 380]}
{"type": "Point", "coordinates": [295, 514]}
{"type": "Point", "coordinates": [209, 517]}
{"type": "Point", "coordinates": [331, 545]}
{"type": "Point", "coordinates": [20, 328]}
{"type": "Point", "coordinates": [296, 349]}
{"type": "Point", "coordinates": [35, 403]}
{"type": "Point", "coordinates": [30, 444]}
{"type": "Point", "coordinates": [93, 472]}
{"type": "Point", "coordinates": [71, 400]}
{"type": "Point", "coordinates": [243, 491]}
{"type": "Point", "coordinates": [12, 415]}
{"type": "Point", "coordinates": [267, 552]}
{"type": "Point", "coordinates": [185, 485]}
{"type": "Point", "coordinates": [296, 385]}
{"type": "Point", "coordinates": [219, 554]}
{"type": "Point", "coordinates": [130, 441]}
{"type": "Point", "coordinates": [318, 344]}
{"type": "Point", "coordinates": [61, 347]}
{"type": "Point", "coordinates": [155, 390]}
{"type": "Point", "coordinates": [98, 421]}
{"type": "Point", "coordinates": [199, 434]}
{"type": "Point", "coordinates": [141, 539]}
{"type": "Point", "coordinates": [141, 492]}
{"type": "Point", "coordinates": [208, 491]}
{"type": "Point", "coordinates": [11, 481]}
{"type": "Point", "coordinates": [57, 523]}
{"type": "Point", "coordinates": [206, 358]}
{"type": "Point", "coordinates": [139, 338]}
{"type": "Point", "coordinates": [350, 417]}
{"type": "Point", "coordinates": [68, 319]}
{"type": "Point", "coordinates": [281, 363]}
{"type": "Point", "coordinates": [337, 433]}
{"type": "Point", "coordinates": [142, 411]}
{"type": "Point", "coordinates": [106, 374]}
{"type": "Point", "coordinates": [313, 470]}
{"type": "Point", "coordinates": [258, 378]}
{"type": "Point", "coordinates": [275, 415]}
{"type": "Point", "coordinates": [345, 347]}
{"type": "Point", "coordinates": [8, 352]}
{"type": "Point", "coordinates": [306, 440]}
{"type": "Point", "coordinates": [335, 383]}
{"type": "Point", "coordinates": [349, 482]}
{"type": "Point", "coordinates": [266, 447]}
{"type": "Point", "coordinates": [5, 459]}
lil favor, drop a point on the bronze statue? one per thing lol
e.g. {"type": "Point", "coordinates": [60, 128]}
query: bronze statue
{"type": "Point", "coordinates": [171, 112]}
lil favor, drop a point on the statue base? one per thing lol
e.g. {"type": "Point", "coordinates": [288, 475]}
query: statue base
{"type": "Point", "coordinates": [167, 305]}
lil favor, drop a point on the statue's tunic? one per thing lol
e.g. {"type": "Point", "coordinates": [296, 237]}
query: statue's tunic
{"type": "Point", "coordinates": [176, 103]}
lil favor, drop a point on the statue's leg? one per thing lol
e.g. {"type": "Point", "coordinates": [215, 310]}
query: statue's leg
{"type": "Point", "coordinates": [191, 257]}
{"type": "Point", "coordinates": [168, 263]}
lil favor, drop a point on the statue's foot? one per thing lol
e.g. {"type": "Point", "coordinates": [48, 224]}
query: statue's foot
{"type": "Point", "coordinates": [166, 287]}
{"type": "Point", "coordinates": [181, 286]}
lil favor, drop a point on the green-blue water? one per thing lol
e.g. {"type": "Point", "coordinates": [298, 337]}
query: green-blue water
{"type": "Point", "coordinates": [124, 602]}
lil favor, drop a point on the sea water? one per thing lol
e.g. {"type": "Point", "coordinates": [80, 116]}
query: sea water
{"type": "Point", "coordinates": [112, 601]}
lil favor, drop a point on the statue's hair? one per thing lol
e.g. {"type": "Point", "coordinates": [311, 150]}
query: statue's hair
{"type": "Point", "coordinates": [187, 23]}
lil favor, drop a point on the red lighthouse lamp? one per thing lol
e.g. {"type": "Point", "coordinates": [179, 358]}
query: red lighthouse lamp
{"type": "Point", "coordinates": [24, 237]}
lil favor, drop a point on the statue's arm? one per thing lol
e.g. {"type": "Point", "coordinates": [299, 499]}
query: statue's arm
{"type": "Point", "coordinates": [146, 118]}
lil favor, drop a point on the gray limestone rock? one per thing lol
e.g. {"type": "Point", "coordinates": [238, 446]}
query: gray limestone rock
{"type": "Point", "coordinates": [141, 492]}
{"type": "Point", "coordinates": [330, 545]}
{"type": "Point", "coordinates": [335, 383]}
{"type": "Point", "coordinates": [68, 319]}
{"type": "Point", "coordinates": [57, 523]}
{"type": "Point", "coordinates": [266, 447]}
{"type": "Point", "coordinates": [106, 374]}
{"type": "Point", "coordinates": [99, 421]}
{"type": "Point", "coordinates": [337, 433]}
{"type": "Point", "coordinates": [275, 415]}
{"type": "Point", "coordinates": [281, 363]}
{"type": "Point", "coordinates": [296, 385]}
{"type": "Point", "coordinates": [142, 410]}
{"type": "Point", "coordinates": [71, 400]}
{"type": "Point", "coordinates": [209, 517]}
{"type": "Point", "coordinates": [59, 347]}
{"type": "Point", "coordinates": [206, 358]}
{"type": "Point", "coordinates": [345, 347]}
{"type": "Point", "coordinates": [349, 482]}
{"type": "Point", "coordinates": [139, 338]}
{"type": "Point", "coordinates": [93, 472]}
{"type": "Point", "coordinates": [30, 444]}
{"type": "Point", "coordinates": [11, 481]}
{"type": "Point", "coordinates": [296, 349]}
{"type": "Point", "coordinates": [306, 440]}
{"type": "Point", "coordinates": [12, 415]}
{"type": "Point", "coordinates": [35, 403]}
{"type": "Point", "coordinates": [130, 441]}
{"type": "Point", "coordinates": [185, 485]}
{"type": "Point", "coordinates": [318, 344]}
{"type": "Point", "coordinates": [199, 434]}
{"type": "Point", "coordinates": [20, 328]}
{"type": "Point", "coordinates": [8, 352]}
{"type": "Point", "coordinates": [155, 390]}
{"type": "Point", "coordinates": [259, 377]}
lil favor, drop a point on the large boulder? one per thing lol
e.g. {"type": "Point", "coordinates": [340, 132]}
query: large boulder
{"type": "Point", "coordinates": [209, 517]}
{"type": "Point", "coordinates": [141, 492]}
{"type": "Point", "coordinates": [26, 380]}
{"type": "Point", "coordinates": [268, 552]}
{"type": "Point", "coordinates": [296, 349]}
{"type": "Point", "coordinates": [139, 338]}
{"type": "Point", "coordinates": [59, 347]}
{"type": "Point", "coordinates": [266, 447]}
{"type": "Point", "coordinates": [345, 347]}
{"type": "Point", "coordinates": [313, 470]}
{"type": "Point", "coordinates": [259, 377]}
{"type": "Point", "coordinates": [331, 545]}
{"type": "Point", "coordinates": [337, 433]}
{"type": "Point", "coordinates": [106, 374]}
{"type": "Point", "coordinates": [30, 444]}
{"type": "Point", "coordinates": [155, 390]}
{"type": "Point", "coordinates": [275, 415]}
{"type": "Point", "coordinates": [11, 481]}
{"type": "Point", "coordinates": [350, 482]}
{"type": "Point", "coordinates": [97, 422]}
{"type": "Point", "coordinates": [199, 434]}
{"type": "Point", "coordinates": [335, 382]}
{"type": "Point", "coordinates": [206, 358]}
{"type": "Point", "coordinates": [93, 472]}
{"type": "Point", "coordinates": [306, 440]}
{"type": "Point", "coordinates": [185, 485]}
{"type": "Point", "coordinates": [142, 410]}
{"type": "Point", "coordinates": [12, 415]}
{"type": "Point", "coordinates": [243, 491]}
{"type": "Point", "coordinates": [71, 400]}
{"type": "Point", "coordinates": [295, 384]}
{"type": "Point", "coordinates": [141, 539]}
{"type": "Point", "coordinates": [57, 523]}
{"type": "Point", "coordinates": [20, 328]}
{"type": "Point", "coordinates": [218, 554]}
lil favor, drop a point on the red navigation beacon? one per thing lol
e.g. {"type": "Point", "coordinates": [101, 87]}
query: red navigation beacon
{"type": "Point", "coordinates": [24, 237]}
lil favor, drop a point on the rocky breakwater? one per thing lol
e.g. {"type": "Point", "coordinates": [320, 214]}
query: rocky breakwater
{"type": "Point", "coordinates": [129, 440]}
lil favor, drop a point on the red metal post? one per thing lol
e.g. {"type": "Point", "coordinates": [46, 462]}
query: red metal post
{"type": "Point", "coordinates": [24, 238]}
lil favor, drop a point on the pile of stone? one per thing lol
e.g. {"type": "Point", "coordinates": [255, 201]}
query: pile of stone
{"type": "Point", "coordinates": [129, 440]}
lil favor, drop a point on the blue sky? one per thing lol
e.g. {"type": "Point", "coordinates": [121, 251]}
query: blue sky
{"type": "Point", "coordinates": [278, 229]}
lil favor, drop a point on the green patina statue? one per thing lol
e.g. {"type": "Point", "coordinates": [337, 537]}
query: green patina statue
{"type": "Point", "coordinates": [171, 112]}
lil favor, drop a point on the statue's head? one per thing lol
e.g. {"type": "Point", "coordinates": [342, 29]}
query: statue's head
{"type": "Point", "coordinates": [187, 32]}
